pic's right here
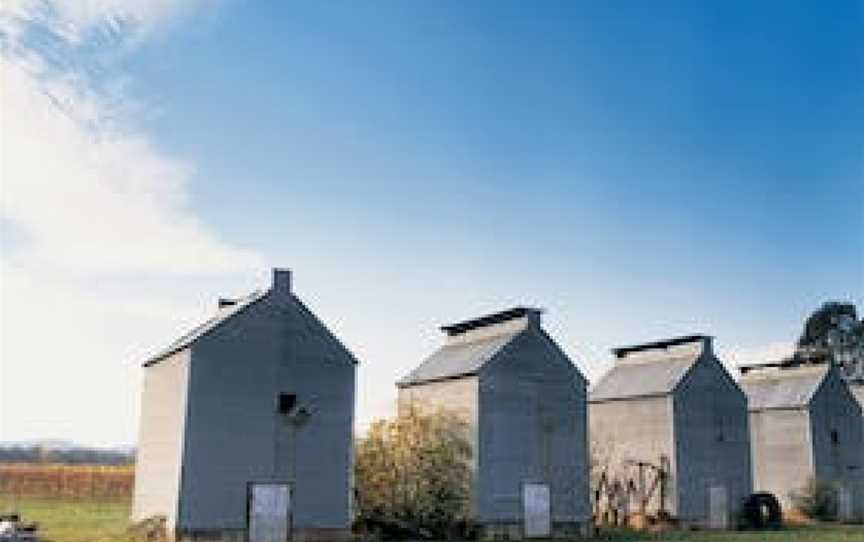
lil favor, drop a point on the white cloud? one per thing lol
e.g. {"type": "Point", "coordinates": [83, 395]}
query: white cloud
{"type": "Point", "coordinates": [88, 193]}
{"type": "Point", "coordinates": [87, 200]}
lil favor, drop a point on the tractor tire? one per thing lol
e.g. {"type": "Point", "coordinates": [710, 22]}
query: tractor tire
{"type": "Point", "coordinates": [762, 511]}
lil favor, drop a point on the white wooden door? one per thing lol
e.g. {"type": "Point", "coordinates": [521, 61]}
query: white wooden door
{"type": "Point", "coordinates": [269, 512]}
{"type": "Point", "coordinates": [718, 507]}
{"type": "Point", "coordinates": [845, 504]}
{"type": "Point", "coordinates": [536, 510]}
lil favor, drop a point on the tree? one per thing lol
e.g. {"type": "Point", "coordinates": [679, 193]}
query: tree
{"type": "Point", "coordinates": [833, 334]}
{"type": "Point", "coordinates": [825, 321]}
{"type": "Point", "coordinates": [414, 473]}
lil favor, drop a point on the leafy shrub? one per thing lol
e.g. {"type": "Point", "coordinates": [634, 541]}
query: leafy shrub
{"type": "Point", "coordinates": [412, 474]}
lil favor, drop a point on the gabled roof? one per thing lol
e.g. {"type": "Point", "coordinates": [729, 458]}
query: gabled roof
{"type": "Point", "coordinates": [783, 388]}
{"type": "Point", "coordinates": [457, 360]}
{"type": "Point", "coordinates": [471, 344]}
{"type": "Point", "coordinates": [631, 379]}
{"type": "Point", "coordinates": [651, 369]}
{"type": "Point", "coordinates": [224, 313]}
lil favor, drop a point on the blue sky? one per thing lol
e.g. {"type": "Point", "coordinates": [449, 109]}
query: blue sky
{"type": "Point", "coordinates": [604, 149]}
{"type": "Point", "coordinates": [639, 169]}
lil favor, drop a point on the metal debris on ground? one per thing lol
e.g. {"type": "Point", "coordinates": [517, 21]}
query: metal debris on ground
{"type": "Point", "coordinates": [626, 496]}
{"type": "Point", "coordinates": [151, 529]}
{"type": "Point", "coordinates": [12, 529]}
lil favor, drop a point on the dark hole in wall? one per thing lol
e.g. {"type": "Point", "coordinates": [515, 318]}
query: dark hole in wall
{"type": "Point", "coordinates": [286, 403]}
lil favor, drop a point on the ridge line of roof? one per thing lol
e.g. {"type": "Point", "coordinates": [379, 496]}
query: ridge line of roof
{"type": "Point", "coordinates": [623, 351]}
{"type": "Point", "coordinates": [488, 319]}
{"type": "Point", "coordinates": [312, 315]}
{"type": "Point", "coordinates": [205, 327]}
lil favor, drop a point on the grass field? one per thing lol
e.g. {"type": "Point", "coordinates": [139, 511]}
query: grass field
{"type": "Point", "coordinates": [821, 533]}
{"type": "Point", "coordinates": [81, 521]}
{"type": "Point", "coordinates": [73, 521]}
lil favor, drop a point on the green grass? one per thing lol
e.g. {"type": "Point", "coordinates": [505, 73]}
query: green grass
{"type": "Point", "coordinates": [77, 521]}
{"type": "Point", "coordinates": [73, 521]}
{"type": "Point", "coordinates": [816, 533]}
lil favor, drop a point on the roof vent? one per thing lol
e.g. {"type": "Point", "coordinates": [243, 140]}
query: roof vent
{"type": "Point", "coordinates": [492, 319]}
{"type": "Point", "coordinates": [625, 351]}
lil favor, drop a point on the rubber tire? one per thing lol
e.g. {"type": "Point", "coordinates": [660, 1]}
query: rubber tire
{"type": "Point", "coordinates": [755, 518]}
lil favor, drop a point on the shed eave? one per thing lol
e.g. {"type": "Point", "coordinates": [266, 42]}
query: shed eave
{"type": "Point", "coordinates": [803, 408]}
{"type": "Point", "coordinates": [167, 354]}
{"type": "Point", "coordinates": [352, 358]}
{"type": "Point", "coordinates": [628, 398]}
{"type": "Point", "coordinates": [188, 339]}
{"type": "Point", "coordinates": [414, 383]}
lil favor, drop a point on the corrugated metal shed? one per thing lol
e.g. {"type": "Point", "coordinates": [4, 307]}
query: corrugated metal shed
{"type": "Point", "coordinates": [643, 377]}
{"type": "Point", "coordinates": [523, 402]}
{"type": "Point", "coordinates": [218, 419]}
{"type": "Point", "coordinates": [674, 400]}
{"type": "Point", "coordinates": [783, 388]}
{"type": "Point", "coordinates": [455, 360]}
{"type": "Point", "coordinates": [226, 311]}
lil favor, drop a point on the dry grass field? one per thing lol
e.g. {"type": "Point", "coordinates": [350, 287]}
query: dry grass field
{"type": "Point", "coordinates": [816, 533]}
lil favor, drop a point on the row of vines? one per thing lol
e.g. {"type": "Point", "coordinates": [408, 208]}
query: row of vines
{"type": "Point", "coordinates": [82, 482]}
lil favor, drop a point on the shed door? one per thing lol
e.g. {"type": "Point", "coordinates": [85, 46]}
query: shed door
{"type": "Point", "coordinates": [537, 517]}
{"type": "Point", "coordinates": [269, 512]}
{"type": "Point", "coordinates": [845, 505]}
{"type": "Point", "coordinates": [718, 507]}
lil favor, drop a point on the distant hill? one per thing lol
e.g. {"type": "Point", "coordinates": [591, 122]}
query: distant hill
{"type": "Point", "coordinates": [58, 451]}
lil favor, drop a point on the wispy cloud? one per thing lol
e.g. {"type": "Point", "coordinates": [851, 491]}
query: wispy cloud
{"type": "Point", "coordinates": [76, 21]}
{"type": "Point", "coordinates": [86, 191]}
{"type": "Point", "coordinates": [86, 198]}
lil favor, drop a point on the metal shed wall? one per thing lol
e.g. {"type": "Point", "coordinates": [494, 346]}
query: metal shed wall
{"type": "Point", "coordinates": [712, 441]}
{"type": "Point", "coordinates": [834, 411]}
{"type": "Point", "coordinates": [794, 439]}
{"type": "Point", "coordinates": [639, 429]}
{"type": "Point", "coordinates": [633, 421]}
{"type": "Point", "coordinates": [782, 451]}
{"type": "Point", "coordinates": [456, 395]}
{"type": "Point", "coordinates": [235, 436]}
{"type": "Point", "coordinates": [160, 446]}
{"type": "Point", "coordinates": [532, 428]}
